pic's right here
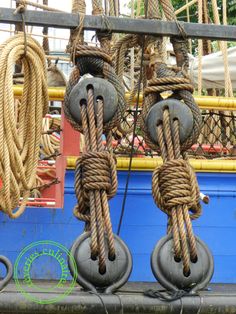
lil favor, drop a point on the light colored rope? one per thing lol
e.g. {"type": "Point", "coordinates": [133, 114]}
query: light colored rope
{"type": "Point", "coordinates": [132, 83]}
{"type": "Point", "coordinates": [188, 20]}
{"type": "Point", "coordinates": [33, 34]}
{"type": "Point", "coordinates": [20, 139]}
{"type": "Point", "coordinates": [186, 6]}
{"type": "Point", "coordinates": [37, 5]}
{"type": "Point", "coordinates": [200, 49]}
{"type": "Point", "coordinates": [223, 48]}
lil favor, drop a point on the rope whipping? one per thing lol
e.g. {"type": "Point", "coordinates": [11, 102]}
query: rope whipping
{"type": "Point", "coordinates": [174, 185]}
{"type": "Point", "coordinates": [95, 174]}
{"type": "Point", "coordinates": [20, 137]}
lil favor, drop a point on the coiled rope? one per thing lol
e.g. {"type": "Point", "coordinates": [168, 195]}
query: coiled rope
{"type": "Point", "coordinates": [20, 139]}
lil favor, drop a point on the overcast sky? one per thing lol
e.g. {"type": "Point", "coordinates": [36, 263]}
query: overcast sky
{"type": "Point", "coordinates": [64, 5]}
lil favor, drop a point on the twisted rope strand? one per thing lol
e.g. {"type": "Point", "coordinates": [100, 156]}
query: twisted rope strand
{"type": "Point", "coordinates": [19, 140]}
{"type": "Point", "coordinates": [175, 191]}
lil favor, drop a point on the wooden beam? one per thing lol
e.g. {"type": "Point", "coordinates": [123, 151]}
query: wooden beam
{"type": "Point", "coordinates": [120, 25]}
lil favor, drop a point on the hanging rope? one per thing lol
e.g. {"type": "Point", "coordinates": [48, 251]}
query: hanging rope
{"type": "Point", "coordinates": [200, 49]}
{"type": "Point", "coordinates": [50, 141]}
{"type": "Point", "coordinates": [223, 48]}
{"type": "Point", "coordinates": [96, 183]}
{"type": "Point", "coordinates": [45, 38]}
{"type": "Point", "coordinates": [175, 191]}
{"type": "Point", "coordinates": [95, 174]}
{"type": "Point", "coordinates": [20, 139]}
{"type": "Point", "coordinates": [77, 35]}
{"type": "Point", "coordinates": [174, 185]}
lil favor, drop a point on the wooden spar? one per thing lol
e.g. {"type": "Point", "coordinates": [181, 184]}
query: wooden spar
{"type": "Point", "coordinates": [120, 25]}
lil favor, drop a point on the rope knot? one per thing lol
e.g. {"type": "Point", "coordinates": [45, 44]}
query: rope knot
{"type": "Point", "coordinates": [175, 184]}
{"type": "Point", "coordinates": [98, 172]}
{"type": "Point", "coordinates": [21, 8]}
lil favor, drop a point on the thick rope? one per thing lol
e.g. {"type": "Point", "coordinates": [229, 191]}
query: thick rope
{"type": "Point", "coordinates": [19, 140]}
{"type": "Point", "coordinates": [96, 179]}
{"type": "Point", "coordinates": [77, 35]}
{"type": "Point", "coordinates": [223, 48]}
{"type": "Point", "coordinates": [175, 191]}
{"type": "Point", "coordinates": [174, 185]}
{"type": "Point", "coordinates": [50, 142]}
{"type": "Point", "coordinates": [45, 38]}
{"type": "Point", "coordinates": [95, 61]}
{"type": "Point", "coordinates": [95, 183]}
{"type": "Point", "coordinates": [104, 37]}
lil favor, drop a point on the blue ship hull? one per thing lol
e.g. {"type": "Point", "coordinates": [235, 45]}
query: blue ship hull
{"type": "Point", "coordinates": [143, 225]}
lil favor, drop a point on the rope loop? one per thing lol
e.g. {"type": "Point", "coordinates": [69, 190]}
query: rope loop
{"type": "Point", "coordinates": [20, 135]}
{"type": "Point", "coordinates": [95, 61]}
{"type": "Point", "coordinates": [21, 10]}
{"type": "Point", "coordinates": [174, 184]}
{"type": "Point", "coordinates": [177, 81]}
{"type": "Point", "coordinates": [90, 51]}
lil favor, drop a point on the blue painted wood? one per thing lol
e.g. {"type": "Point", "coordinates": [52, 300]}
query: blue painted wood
{"type": "Point", "coordinates": [143, 225]}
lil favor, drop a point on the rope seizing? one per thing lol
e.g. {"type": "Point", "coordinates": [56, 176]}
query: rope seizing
{"type": "Point", "coordinates": [20, 138]}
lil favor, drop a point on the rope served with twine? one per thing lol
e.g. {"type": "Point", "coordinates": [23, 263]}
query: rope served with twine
{"type": "Point", "coordinates": [20, 139]}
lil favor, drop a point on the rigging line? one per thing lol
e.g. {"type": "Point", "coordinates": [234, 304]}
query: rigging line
{"type": "Point", "coordinates": [134, 130]}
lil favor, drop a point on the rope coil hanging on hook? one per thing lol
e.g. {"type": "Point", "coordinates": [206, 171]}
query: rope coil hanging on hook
{"type": "Point", "coordinates": [20, 139]}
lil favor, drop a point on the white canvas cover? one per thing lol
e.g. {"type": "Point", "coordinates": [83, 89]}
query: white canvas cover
{"type": "Point", "coordinates": [213, 69]}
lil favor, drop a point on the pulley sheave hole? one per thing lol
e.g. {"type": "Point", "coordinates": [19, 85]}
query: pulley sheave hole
{"type": "Point", "coordinates": [177, 111]}
{"type": "Point", "coordinates": [102, 90]}
{"type": "Point", "coordinates": [89, 276]}
{"type": "Point", "coordinates": [169, 273]}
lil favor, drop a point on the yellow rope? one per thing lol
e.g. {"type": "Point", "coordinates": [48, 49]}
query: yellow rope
{"type": "Point", "coordinates": [20, 139]}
